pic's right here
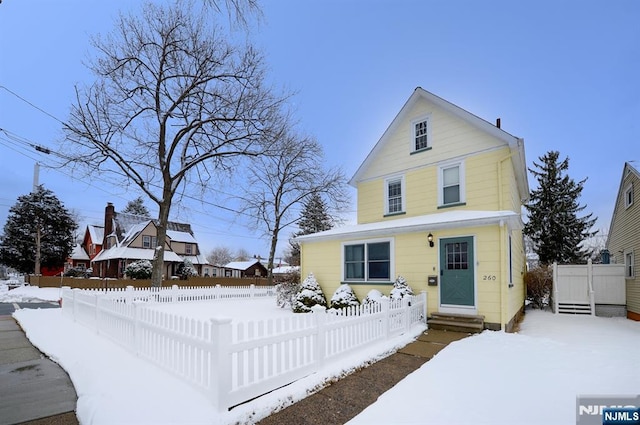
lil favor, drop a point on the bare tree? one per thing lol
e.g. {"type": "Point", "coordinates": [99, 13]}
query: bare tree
{"type": "Point", "coordinates": [241, 255]}
{"type": "Point", "coordinates": [174, 104]}
{"type": "Point", "coordinates": [280, 183]}
{"type": "Point", "coordinates": [220, 256]}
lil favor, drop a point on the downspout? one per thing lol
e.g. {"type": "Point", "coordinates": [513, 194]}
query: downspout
{"type": "Point", "coordinates": [504, 281]}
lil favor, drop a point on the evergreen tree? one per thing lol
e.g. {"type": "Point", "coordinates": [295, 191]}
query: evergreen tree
{"type": "Point", "coordinates": [400, 289]}
{"type": "Point", "coordinates": [554, 227]}
{"type": "Point", "coordinates": [137, 207]}
{"type": "Point", "coordinates": [38, 232]}
{"type": "Point", "coordinates": [308, 295]}
{"type": "Point", "coordinates": [314, 218]}
{"type": "Point", "coordinates": [344, 297]}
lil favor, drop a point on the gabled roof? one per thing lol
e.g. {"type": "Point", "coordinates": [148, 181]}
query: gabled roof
{"type": "Point", "coordinates": [422, 223]}
{"type": "Point", "coordinates": [626, 170]}
{"type": "Point", "coordinates": [178, 236]}
{"type": "Point", "coordinates": [96, 233]}
{"type": "Point", "coordinates": [516, 144]}
{"type": "Point", "coordinates": [241, 265]}
{"type": "Point", "coordinates": [79, 253]}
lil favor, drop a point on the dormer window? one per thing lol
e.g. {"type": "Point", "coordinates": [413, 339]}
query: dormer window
{"type": "Point", "coordinates": [188, 249]}
{"type": "Point", "coordinates": [148, 241]}
{"type": "Point", "coordinates": [421, 134]}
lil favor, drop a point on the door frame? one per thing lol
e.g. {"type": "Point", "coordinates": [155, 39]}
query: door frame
{"type": "Point", "coordinates": [459, 309]}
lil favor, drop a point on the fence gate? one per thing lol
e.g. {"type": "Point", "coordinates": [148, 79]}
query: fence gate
{"type": "Point", "coordinates": [589, 289]}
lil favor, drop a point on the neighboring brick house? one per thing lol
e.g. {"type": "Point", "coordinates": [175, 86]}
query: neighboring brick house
{"type": "Point", "coordinates": [128, 238]}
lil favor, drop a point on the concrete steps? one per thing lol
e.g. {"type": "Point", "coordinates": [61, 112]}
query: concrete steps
{"type": "Point", "coordinates": [456, 322]}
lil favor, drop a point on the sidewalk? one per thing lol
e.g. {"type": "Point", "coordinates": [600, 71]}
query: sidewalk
{"type": "Point", "coordinates": [34, 389]}
{"type": "Point", "coordinates": [343, 400]}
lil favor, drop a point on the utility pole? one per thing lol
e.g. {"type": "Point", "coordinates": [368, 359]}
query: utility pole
{"type": "Point", "coordinates": [36, 177]}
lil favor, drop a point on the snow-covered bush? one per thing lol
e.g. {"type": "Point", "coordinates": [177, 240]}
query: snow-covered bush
{"type": "Point", "coordinates": [309, 295]}
{"type": "Point", "coordinates": [344, 297]}
{"type": "Point", "coordinates": [539, 282]}
{"type": "Point", "coordinates": [140, 269]}
{"type": "Point", "coordinates": [400, 289]}
{"type": "Point", "coordinates": [186, 270]}
{"type": "Point", "coordinates": [287, 288]}
{"type": "Point", "coordinates": [373, 296]}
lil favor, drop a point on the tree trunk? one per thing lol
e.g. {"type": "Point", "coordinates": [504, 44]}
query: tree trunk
{"type": "Point", "coordinates": [161, 237]}
{"type": "Point", "coordinates": [272, 254]}
{"type": "Point", "coordinates": [38, 253]}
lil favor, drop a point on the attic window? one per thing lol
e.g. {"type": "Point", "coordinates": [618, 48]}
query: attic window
{"type": "Point", "coordinates": [628, 196]}
{"type": "Point", "coordinates": [421, 134]}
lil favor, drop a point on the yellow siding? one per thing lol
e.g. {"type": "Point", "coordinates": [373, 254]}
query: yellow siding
{"type": "Point", "coordinates": [490, 185]}
{"type": "Point", "coordinates": [450, 136]}
{"type": "Point", "coordinates": [624, 235]}
{"type": "Point", "coordinates": [415, 260]}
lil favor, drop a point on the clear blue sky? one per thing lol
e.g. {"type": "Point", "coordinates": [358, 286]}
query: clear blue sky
{"type": "Point", "coordinates": [563, 75]}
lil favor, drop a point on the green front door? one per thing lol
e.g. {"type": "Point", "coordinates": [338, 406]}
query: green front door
{"type": "Point", "coordinates": [457, 272]}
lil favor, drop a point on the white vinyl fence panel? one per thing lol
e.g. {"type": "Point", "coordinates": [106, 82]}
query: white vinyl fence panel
{"type": "Point", "coordinates": [235, 362]}
{"type": "Point", "coordinates": [580, 289]}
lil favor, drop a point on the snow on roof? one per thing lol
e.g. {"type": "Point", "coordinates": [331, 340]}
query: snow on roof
{"type": "Point", "coordinates": [133, 231]}
{"type": "Point", "coordinates": [79, 253]}
{"type": "Point", "coordinates": [429, 222]}
{"type": "Point", "coordinates": [134, 254]}
{"type": "Point", "coordinates": [285, 269]}
{"type": "Point", "coordinates": [197, 259]}
{"type": "Point", "coordinates": [240, 265]}
{"type": "Point", "coordinates": [96, 233]}
{"type": "Point", "coordinates": [177, 236]}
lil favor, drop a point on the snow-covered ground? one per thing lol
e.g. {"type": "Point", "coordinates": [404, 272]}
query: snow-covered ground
{"type": "Point", "coordinates": [532, 377]}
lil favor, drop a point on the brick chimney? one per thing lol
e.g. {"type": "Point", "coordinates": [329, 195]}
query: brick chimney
{"type": "Point", "coordinates": [109, 214]}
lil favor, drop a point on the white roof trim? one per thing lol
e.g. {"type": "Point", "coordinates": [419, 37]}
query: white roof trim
{"type": "Point", "coordinates": [423, 223]}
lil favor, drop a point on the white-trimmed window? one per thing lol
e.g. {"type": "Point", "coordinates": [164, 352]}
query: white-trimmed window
{"type": "Point", "coordinates": [368, 261]}
{"type": "Point", "coordinates": [451, 188]}
{"type": "Point", "coordinates": [394, 195]}
{"type": "Point", "coordinates": [628, 264]}
{"type": "Point", "coordinates": [188, 249]}
{"type": "Point", "coordinates": [421, 134]}
{"type": "Point", "coordinates": [148, 241]}
{"type": "Point", "coordinates": [628, 196]}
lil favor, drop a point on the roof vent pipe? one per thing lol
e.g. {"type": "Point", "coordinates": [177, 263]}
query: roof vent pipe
{"type": "Point", "coordinates": [498, 122]}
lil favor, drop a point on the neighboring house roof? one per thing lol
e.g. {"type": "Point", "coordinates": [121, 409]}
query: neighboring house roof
{"type": "Point", "coordinates": [240, 265]}
{"type": "Point", "coordinates": [127, 253]}
{"type": "Point", "coordinates": [197, 259]}
{"type": "Point", "coordinates": [429, 222]}
{"type": "Point", "coordinates": [285, 269]}
{"type": "Point", "coordinates": [515, 144]}
{"type": "Point", "coordinates": [79, 253]}
{"type": "Point", "coordinates": [178, 236]}
{"type": "Point", "coordinates": [96, 233]}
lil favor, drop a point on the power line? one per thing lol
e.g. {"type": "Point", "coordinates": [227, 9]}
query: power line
{"type": "Point", "coordinates": [32, 105]}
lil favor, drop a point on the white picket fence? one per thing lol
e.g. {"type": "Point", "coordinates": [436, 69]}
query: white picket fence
{"type": "Point", "coordinates": [233, 362]}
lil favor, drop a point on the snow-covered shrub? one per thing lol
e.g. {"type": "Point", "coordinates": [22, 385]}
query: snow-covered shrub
{"type": "Point", "coordinates": [309, 295]}
{"type": "Point", "coordinates": [344, 297]}
{"type": "Point", "coordinates": [186, 270]}
{"type": "Point", "coordinates": [140, 269]}
{"type": "Point", "coordinates": [286, 289]}
{"type": "Point", "coordinates": [373, 296]}
{"type": "Point", "coordinates": [539, 282]}
{"type": "Point", "coordinates": [400, 289]}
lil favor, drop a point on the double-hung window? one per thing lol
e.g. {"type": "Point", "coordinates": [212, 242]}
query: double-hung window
{"type": "Point", "coordinates": [187, 249]}
{"type": "Point", "coordinates": [628, 265]}
{"type": "Point", "coordinates": [394, 195]}
{"type": "Point", "coordinates": [451, 185]}
{"type": "Point", "coordinates": [368, 261]}
{"type": "Point", "coordinates": [421, 134]}
{"type": "Point", "coordinates": [148, 241]}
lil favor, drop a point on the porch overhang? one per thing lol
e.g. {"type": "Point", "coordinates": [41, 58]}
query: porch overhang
{"type": "Point", "coordinates": [423, 223]}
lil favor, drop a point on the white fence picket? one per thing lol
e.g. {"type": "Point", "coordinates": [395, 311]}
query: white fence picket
{"type": "Point", "coordinates": [236, 361]}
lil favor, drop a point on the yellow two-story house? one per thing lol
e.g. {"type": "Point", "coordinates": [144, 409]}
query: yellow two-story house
{"type": "Point", "coordinates": [439, 203]}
